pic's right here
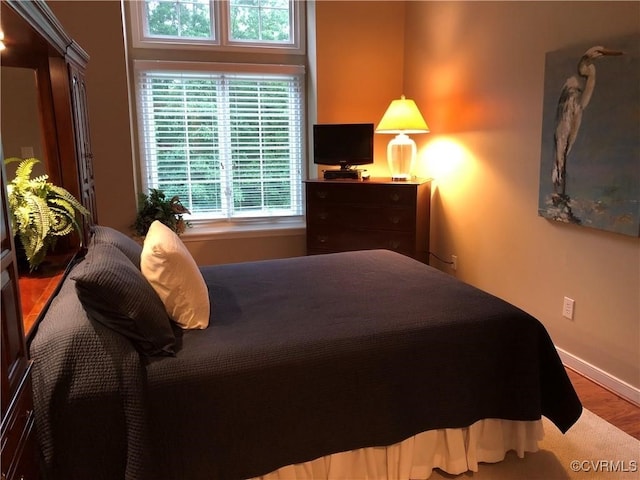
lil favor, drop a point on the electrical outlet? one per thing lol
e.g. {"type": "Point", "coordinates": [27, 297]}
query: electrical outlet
{"type": "Point", "coordinates": [567, 308]}
{"type": "Point", "coordinates": [454, 262]}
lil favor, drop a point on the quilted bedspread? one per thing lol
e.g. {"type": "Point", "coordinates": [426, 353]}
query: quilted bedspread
{"type": "Point", "coordinates": [303, 357]}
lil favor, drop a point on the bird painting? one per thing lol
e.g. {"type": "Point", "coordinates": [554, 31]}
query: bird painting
{"type": "Point", "coordinates": [590, 148]}
{"type": "Point", "coordinates": [574, 98]}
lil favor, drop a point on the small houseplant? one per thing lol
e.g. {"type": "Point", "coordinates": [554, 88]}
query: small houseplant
{"type": "Point", "coordinates": [41, 212]}
{"type": "Point", "coordinates": [156, 206]}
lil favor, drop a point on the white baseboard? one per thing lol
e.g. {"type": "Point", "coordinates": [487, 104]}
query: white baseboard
{"type": "Point", "coordinates": [617, 386]}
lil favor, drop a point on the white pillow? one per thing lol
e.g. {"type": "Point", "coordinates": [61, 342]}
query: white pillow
{"type": "Point", "coordinates": [174, 275]}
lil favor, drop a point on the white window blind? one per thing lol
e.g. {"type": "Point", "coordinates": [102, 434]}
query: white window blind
{"type": "Point", "coordinates": [228, 142]}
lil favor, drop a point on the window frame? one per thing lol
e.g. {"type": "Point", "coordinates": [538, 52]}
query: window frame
{"type": "Point", "coordinates": [239, 222]}
{"type": "Point", "coordinates": [221, 41]}
{"type": "Point", "coordinates": [206, 52]}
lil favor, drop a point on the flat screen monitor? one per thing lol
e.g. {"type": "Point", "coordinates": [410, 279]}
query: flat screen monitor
{"type": "Point", "coordinates": [343, 144]}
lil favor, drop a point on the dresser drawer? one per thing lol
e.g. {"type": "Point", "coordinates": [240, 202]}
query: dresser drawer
{"type": "Point", "coordinates": [26, 465]}
{"type": "Point", "coordinates": [358, 216]}
{"type": "Point", "coordinates": [18, 442]}
{"type": "Point", "coordinates": [371, 194]}
{"type": "Point", "coordinates": [323, 241]}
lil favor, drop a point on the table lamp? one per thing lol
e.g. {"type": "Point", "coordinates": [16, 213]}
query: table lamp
{"type": "Point", "coordinates": [402, 117]}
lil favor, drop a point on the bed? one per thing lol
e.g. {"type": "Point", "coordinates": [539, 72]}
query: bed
{"type": "Point", "coordinates": [328, 366]}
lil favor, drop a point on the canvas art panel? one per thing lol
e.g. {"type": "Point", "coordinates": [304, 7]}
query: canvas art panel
{"type": "Point", "coordinates": [590, 152]}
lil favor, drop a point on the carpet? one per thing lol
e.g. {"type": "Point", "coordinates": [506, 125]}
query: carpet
{"type": "Point", "coordinates": [591, 449]}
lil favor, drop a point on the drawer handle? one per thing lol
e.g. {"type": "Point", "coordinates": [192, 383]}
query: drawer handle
{"type": "Point", "coordinates": [394, 220]}
{"type": "Point", "coordinates": [322, 238]}
{"type": "Point", "coordinates": [323, 215]}
{"type": "Point", "coordinates": [394, 197]}
{"type": "Point", "coordinates": [394, 244]}
{"type": "Point", "coordinates": [321, 194]}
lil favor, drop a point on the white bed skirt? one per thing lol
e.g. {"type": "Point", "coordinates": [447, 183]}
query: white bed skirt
{"type": "Point", "coordinates": [452, 450]}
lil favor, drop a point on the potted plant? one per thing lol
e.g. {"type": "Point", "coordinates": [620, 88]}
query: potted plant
{"type": "Point", "coordinates": [41, 212]}
{"type": "Point", "coordinates": [156, 206]}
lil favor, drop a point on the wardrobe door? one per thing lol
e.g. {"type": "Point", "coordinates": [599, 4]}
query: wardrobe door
{"type": "Point", "coordinates": [84, 155]}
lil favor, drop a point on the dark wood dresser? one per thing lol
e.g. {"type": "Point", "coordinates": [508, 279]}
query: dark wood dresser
{"type": "Point", "coordinates": [35, 40]}
{"type": "Point", "coordinates": [347, 215]}
{"type": "Point", "coordinates": [19, 457]}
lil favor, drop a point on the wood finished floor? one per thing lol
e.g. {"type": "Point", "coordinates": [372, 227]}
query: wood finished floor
{"type": "Point", "coordinates": [606, 404]}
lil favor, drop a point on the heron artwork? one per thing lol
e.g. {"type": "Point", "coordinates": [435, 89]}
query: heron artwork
{"type": "Point", "coordinates": [589, 172]}
{"type": "Point", "coordinates": [574, 99]}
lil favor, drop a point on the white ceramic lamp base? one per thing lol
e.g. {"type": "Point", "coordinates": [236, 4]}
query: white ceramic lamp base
{"type": "Point", "coordinates": [401, 155]}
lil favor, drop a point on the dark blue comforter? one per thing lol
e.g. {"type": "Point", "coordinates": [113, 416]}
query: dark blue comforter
{"type": "Point", "coordinates": [303, 357]}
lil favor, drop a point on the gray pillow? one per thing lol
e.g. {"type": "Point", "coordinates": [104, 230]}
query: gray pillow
{"type": "Point", "coordinates": [115, 293]}
{"type": "Point", "coordinates": [125, 244]}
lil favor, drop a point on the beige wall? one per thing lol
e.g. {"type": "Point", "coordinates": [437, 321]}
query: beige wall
{"type": "Point", "coordinates": [477, 71]}
{"type": "Point", "coordinates": [360, 61]}
{"type": "Point", "coordinates": [97, 27]}
{"type": "Point", "coordinates": [349, 43]}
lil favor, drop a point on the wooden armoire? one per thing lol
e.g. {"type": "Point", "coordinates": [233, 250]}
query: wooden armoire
{"type": "Point", "coordinates": [34, 39]}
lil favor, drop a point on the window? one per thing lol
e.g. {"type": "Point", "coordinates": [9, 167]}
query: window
{"type": "Point", "coordinates": [227, 141]}
{"type": "Point", "coordinates": [229, 24]}
{"type": "Point", "coordinates": [260, 21]}
{"type": "Point", "coordinates": [227, 138]}
{"type": "Point", "coordinates": [178, 19]}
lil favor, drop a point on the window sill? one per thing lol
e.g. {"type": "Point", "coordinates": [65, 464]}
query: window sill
{"type": "Point", "coordinates": [201, 230]}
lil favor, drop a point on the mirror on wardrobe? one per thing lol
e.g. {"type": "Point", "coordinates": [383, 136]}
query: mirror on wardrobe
{"type": "Point", "coordinates": [20, 123]}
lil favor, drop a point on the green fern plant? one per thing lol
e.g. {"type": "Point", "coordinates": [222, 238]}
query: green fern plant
{"type": "Point", "coordinates": [41, 212]}
{"type": "Point", "coordinates": [156, 206]}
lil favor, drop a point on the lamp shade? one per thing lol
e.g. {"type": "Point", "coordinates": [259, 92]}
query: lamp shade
{"type": "Point", "coordinates": [402, 116]}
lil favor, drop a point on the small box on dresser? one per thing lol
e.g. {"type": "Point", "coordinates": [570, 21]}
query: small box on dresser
{"type": "Point", "coordinates": [345, 215]}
